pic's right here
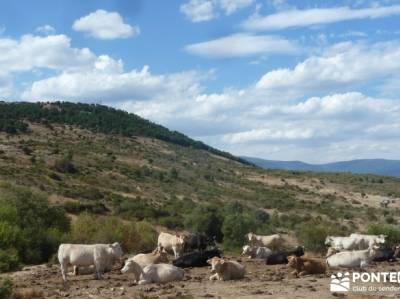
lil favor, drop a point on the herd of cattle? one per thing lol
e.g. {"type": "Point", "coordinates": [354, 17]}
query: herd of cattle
{"type": "Point", "coordinates": [196, 250]}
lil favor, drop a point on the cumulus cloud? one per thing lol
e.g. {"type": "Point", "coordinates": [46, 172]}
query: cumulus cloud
{"type": "Point", "coordinates": [53, 52]}
{"type": "Point", "coordinates": [102, 24]}
{"type": "Point", "coordinates": [241, 45]}
{"type": "Point", "coordinates": [107, 82]}
{"type": "Point", "coordinates": [341, 66]}
{"type": "Point", "coordinates": [206, 10]}
{"type": "Point", "coordinates": [316, 16]}
{"type": "Point", "coordinates": [46, 29]}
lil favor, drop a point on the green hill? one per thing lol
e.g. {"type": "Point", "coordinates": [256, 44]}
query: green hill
{"type": "Point", "coordinates": [111, 176]}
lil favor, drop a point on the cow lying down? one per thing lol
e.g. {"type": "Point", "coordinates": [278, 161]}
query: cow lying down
{"type": "Point", "coordinates": [225, 270]}
{"type": "Point", "coordinates": [306, 265]}
{"type": "Point", "coordinates": [352, 259]}
{"type": "Point", "coordinates": [256, 252]}
{"type": "Point", "coordinates": [156, 273]}
{"type": "Point", "coordinates": [281, 257]}
{"type": "Point", "coordinates": [196, 258]}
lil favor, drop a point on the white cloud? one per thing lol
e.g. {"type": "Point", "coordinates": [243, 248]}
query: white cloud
{"type": "Point", "coordinates": [316, 16]}
{"type": "Point", "coordinates": [231, 6]}
{"type": "Point", "coordinates": [241, 45]}
{"type": "Point", "coordinates": [206, 10]}
{"type": "Point", "coordinates": [107, 82]}
{"type": "Point", "coordinates": [46, 29]}
{"type": "Point", "coordinates": [102, 24]}
{"type": "Point", "coordinates": [198, 10]}
{"type": "Point", "coordinates": [340, 67]}
{"type": "Point", "coordinates": [53, 52]}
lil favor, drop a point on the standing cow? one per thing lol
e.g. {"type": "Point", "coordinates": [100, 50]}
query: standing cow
{"type": "Point", "coordinates": [100, 256]}
{"type": "Point", "coordinates": [197, 242]}
{"type": "Point", "coordinates": [174, 243]}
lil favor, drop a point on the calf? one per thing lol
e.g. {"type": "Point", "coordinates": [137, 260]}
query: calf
{"type": "Point", "coordinates": [101, 256]}
{"type": "Point", "coordinates": [156, 273]}
{"type": "Point", "coordinates": [352, 259]}
{"type": "Point", "coordinates": [281, 256]}
{"type": "Point", "coordinates": [171, 243]}
{"type": "Point", "coordinates": [156, 257]}
{"type": "Point", "coordinates": [225, 270]}
{"type": "Point", "coordinates": [256, 252]}
{"type": "Point", "coordinates": [305, 265]}
{"type": "Point", "coordinates": [196, 258]}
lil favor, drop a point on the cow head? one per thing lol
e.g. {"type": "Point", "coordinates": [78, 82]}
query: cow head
{"type": "Point", "coordinates": [217, 264]}
{"type": "Point", "coordinates": [132, 267]}
{"type": "Point", "coordinates": [116, 249]}
{"type": "Point", "coordinates": [328, 240]}
{"type": "Point", "coordinates": [381, 239]}
{"type": "Point", "coordinates": [294, 262]}
{"type": "Point", "coordinates": [299, 251]}
{"type": "Point", "coordinates": [247, 250]}
{"type": "Point", "coordinates": [250, 237]}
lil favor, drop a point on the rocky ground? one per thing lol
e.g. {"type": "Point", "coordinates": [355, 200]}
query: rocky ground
{"type": "Point", "coordinates": [261, 281]}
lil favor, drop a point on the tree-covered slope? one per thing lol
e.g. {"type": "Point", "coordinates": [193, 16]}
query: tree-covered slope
{"type": "Point", "coordinates": [98, 118]}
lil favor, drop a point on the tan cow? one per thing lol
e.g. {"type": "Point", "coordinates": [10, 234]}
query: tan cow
{"type": "Point", "coordinates": [174, 243]}
{"type": "Point", "coordinates": [156, 257]}
{"type": "Point", "coordinates": [225, 270]}
{"type": "Point", "coordinates": [272, 241]}
{"type": "Point", "coordinates": [306, 265]}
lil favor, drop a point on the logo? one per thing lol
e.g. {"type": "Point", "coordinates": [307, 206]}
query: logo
{"type": "Point", "coordinates": [340, 282]}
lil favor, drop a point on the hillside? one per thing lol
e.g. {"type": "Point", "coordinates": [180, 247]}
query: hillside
{"type": "Point", "coordinates": [374, 166]}
{"type": "Point", "coordinates": [105, 186]}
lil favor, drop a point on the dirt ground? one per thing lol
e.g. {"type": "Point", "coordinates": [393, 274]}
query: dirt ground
{"type": "Point", "coordinates": [261, 281]}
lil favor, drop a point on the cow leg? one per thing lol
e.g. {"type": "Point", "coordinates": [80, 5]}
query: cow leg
{"type": "Point", "coordinates": [214, 277]}
{"type": "Point", "coordinates": [175, 252]}
{"type": "Point", "coordinates": [303, 273]}
{"type": "Point", "coordinates": [64, 269]}
{"type": "Point", "coordinates": [76, 270]}
{"type": "Point", "coordinates": [98, 270]}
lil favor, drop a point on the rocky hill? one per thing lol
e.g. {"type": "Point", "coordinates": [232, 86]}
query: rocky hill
{"type": "Point", "coordinates": [107, 178]}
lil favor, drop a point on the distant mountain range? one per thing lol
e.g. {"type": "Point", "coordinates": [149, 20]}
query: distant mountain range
{"type": "Point", "coordinates": [374, 166]}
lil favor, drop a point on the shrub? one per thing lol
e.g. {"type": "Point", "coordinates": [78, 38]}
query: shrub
{"type": "Point", "coordinates": [6, 288]}
{"type": "Point", "coordinates": [9, 260]}
{"type": "Point", "coordinates": [235, 227]}
{"type": "Point", "coordinates": [391, 232]}
{"type": "Point", "coordinates": [30, 229]}
{"type": "Point", "coordinates": [312, 234]}
{"type": "Point", "coordinates": [133, 236]}
{"type": "Point", "coordinates": [205, 219]}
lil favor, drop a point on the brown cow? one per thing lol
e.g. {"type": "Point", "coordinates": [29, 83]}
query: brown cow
{"type": "Point", "coordinates": [306, 265]}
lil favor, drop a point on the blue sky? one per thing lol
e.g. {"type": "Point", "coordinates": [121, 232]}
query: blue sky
{"type": "Point", "coordinates": [316, 81]}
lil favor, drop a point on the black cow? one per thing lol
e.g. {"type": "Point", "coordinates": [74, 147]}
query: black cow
{"type": "Point", "coordinates": [280, 257]}
{"type": "Point", "coordinates": [196, 258]}
{"type": "Point", "coordinates": [386, 254]}
{"type": "Point", "coordinates": [197, 242]}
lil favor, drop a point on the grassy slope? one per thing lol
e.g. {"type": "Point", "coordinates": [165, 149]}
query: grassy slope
{"type": "Point", "coordinates": [115, 170]}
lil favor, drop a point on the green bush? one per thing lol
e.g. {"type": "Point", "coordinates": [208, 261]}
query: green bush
{"type": "Point", "coordinates": [205, 219]}
{"type": "Point", "coordinates": [6, 288]}
{"type": "Point", "coordinates": [312, 234]}
{"type": "Point", "coordinates": [391, 232]}
{"type": "Point", "coordinates": [235, 227]}
{"type": "Point", "coordinates": [9, 260]}
{"type": "Point", "coordinates": [29, 228]}
{"type": "Point", "coordinates": [134, 236]}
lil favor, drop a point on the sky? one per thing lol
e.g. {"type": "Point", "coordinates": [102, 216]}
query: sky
{"type": "Point", "coordinates": [316, 81]}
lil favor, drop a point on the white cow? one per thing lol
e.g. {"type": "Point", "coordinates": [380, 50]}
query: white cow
{"type": "Point", "coordinates": [225, 270]}
{"type": "Point", "coordinates": [368, 241]}
{"type": "Point", "coordinates": [343, 243]}
{"type": "Point", "coordinates": [256, 252]}
{"type": "Point", "coordinates": [273, 241]}
{"type": "Point", "coordinates": [100, 256]}
{"type": "Point", "coordinates": [156, 273]}
{"type": "Point", "coordinates": [352, 259]}
{"type": "Point", "coordinates": [174, 243]}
